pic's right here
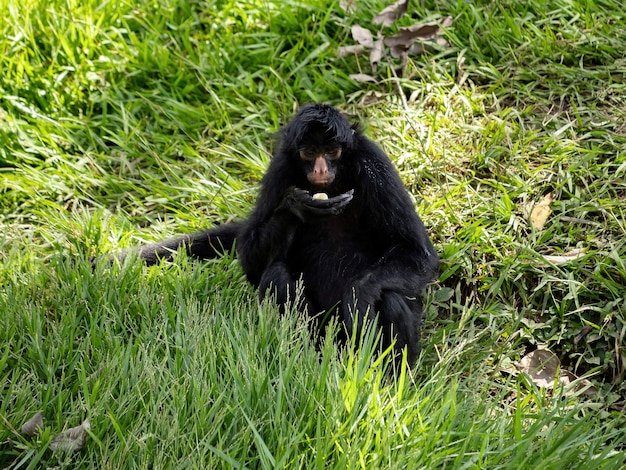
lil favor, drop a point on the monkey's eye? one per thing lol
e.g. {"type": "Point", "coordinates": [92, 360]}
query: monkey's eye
{"type": "Point", "coordinates": [307, 154]}
{"type": "Point", "coordinates": [333, 154]}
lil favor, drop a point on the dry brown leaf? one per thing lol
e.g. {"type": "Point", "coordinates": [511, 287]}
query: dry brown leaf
{"type": "Point", "coordinates": [446, 22]}
{"type": "Point", "coordinates": [71, 439]}
{"type": "Point", "coordinates": [398, 52]}
{"type": "Point", "coordinates": [583, 386]}
{"type": "Point", "coordinates": [407, 36]}
{"type": "Point", "coordinates": [405, 39]}
{"type": "Point", "coordinates": [372, 97]}
{"type": "Point", "coordinates": [541, 212]}
{"type": "Point", "coordinates": [349, 6]}
{"type": "Point", "coordinates": [419, 48]}
{"type": "Point", "coordinates": [542, 366]}
{"type": "Point", "coordinates": [376, 54]}
{"type": "Point", "coordinates": [363, 36]}
{"type": "Point", "coordinates": [390, 14]}
{"type": "Point", "coordinates": [363, 77]}
{"type": "Point", "coordinates": [345, 51]}
{"type": "Point", "coordinates": [566, 257]}
{"type": "Point", "coordinates": [33, 425]}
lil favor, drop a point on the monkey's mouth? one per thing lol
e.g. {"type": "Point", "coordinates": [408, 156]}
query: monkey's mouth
{"type": "Point", "coordinates": [321, 181]}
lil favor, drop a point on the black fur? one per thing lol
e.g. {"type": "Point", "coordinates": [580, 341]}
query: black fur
{"type": "Point", "coordinates": [363, 254]}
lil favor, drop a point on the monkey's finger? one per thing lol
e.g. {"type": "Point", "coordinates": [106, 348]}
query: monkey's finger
{"type": "Point", "coordinates": [332, 210]}
{"type": "Point", "coordinates": [298, 194]}
{"type": "Point", "coordinates": [340, 206]}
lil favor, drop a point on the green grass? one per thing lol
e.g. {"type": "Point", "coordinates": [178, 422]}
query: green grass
{"type": "Point", "coordinates": [126, 122]}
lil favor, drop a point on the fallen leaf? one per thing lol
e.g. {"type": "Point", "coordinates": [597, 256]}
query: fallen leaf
{"type": "Point", "coordinates": [404, 40]}
{"type": "Point", "coordinates": [565, 258]}
{"type": "Point", "coordinates": [348, 6]}
{"type": "Point", "coordinates": [583, 386]}
{"type": "Point", "coordinates": [542, 366]}
{"type": "Point", "coordinates": [376, 54]}
{"type": "Point", "coordinates": [419, 48]}
{"type": "Point", "coordinates": [33, 425]}
{"type": "Point", "coordinates": [446, 22]}
{"type": "Point", "coordinates": [363, 36]}
{"type": "Point", "coordinates": [345, 51]}
{"type": "Point", "coordinates": [363, 77]}
{"type": "Point", "coordinates": [372, 97]}
{"type": "Point", "coordinates": [71, 439]}
{"type": "Point", "coordinates": [391, 13]}
{"type": "Point", "coordinates": [541, 212]}
{"type": "Point", "coordinates": [407, 36]}
{"type": "Point", "coordinates": [398, 52]}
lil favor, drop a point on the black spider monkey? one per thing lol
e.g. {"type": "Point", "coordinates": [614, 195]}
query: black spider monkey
{"type": "Point", "coordinates": [359, 249]}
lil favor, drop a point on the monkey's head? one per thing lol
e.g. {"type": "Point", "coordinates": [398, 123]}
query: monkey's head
{"type": "Point", "coordinates": [318, 136]}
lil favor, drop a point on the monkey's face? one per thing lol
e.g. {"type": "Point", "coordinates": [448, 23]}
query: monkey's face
{"type": "Point", "coordinates": [320, 164]}
{"type": "Point", "coordinates": [319, 154]}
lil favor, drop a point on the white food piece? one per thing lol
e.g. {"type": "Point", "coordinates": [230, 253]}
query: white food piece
{"type": "Point", "coordinates": [320, 196]}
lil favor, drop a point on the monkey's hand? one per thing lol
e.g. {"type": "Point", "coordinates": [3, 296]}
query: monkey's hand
{"type": "Point", "coordinates": [303, 205]}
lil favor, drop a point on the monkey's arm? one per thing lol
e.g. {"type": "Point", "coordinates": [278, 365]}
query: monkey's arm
{"type": "Point", "coordinates": [268, 235]}
{"type": "Point", "coordinates": [407, 260]}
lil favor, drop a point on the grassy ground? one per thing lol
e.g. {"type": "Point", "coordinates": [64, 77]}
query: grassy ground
{"type": "Point", "coordinates": [124, 122]}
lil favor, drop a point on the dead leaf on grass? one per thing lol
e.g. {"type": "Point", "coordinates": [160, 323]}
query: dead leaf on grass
{"type": "Point", "coordinates": [345, 51]}
{"type": "Point", "coordinates": [566, 257]}
{"type": "Point", "coordinates": [390, 14]}
{"type": "Point", "coordinates": [421, 47]}
{"type": "Point", "coordinates": [542, 366]}
{"type": "Point", "coordinates": [583, 386]}
{"type": "Point", "coordinates": [406, 36]}
{"type": "Point", "coordinates": [405, 40]}
{"type": "Point", "coordinates": [400, 44]}
{"type": "Point", "coordinates": [363, 36]}
{"type": "Point", "coordinates": [544, 369]}
{"type": "Point", "coordinates": [71, 439]}
{"type": "Point", "coordinates": [33, 425]}
{"type": "Point", "coordinates": [376, 54]}
{"type": "Point", "coordinates": [363, 77]}
{"type": "Point", "coordinates": [366, 42]}
{"type": "Point", "coordinates": [349, 6]}
{"type": "Point", "coordinates": [541, 212]}
{"type": "Point", "coordinates": [372, 97]}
